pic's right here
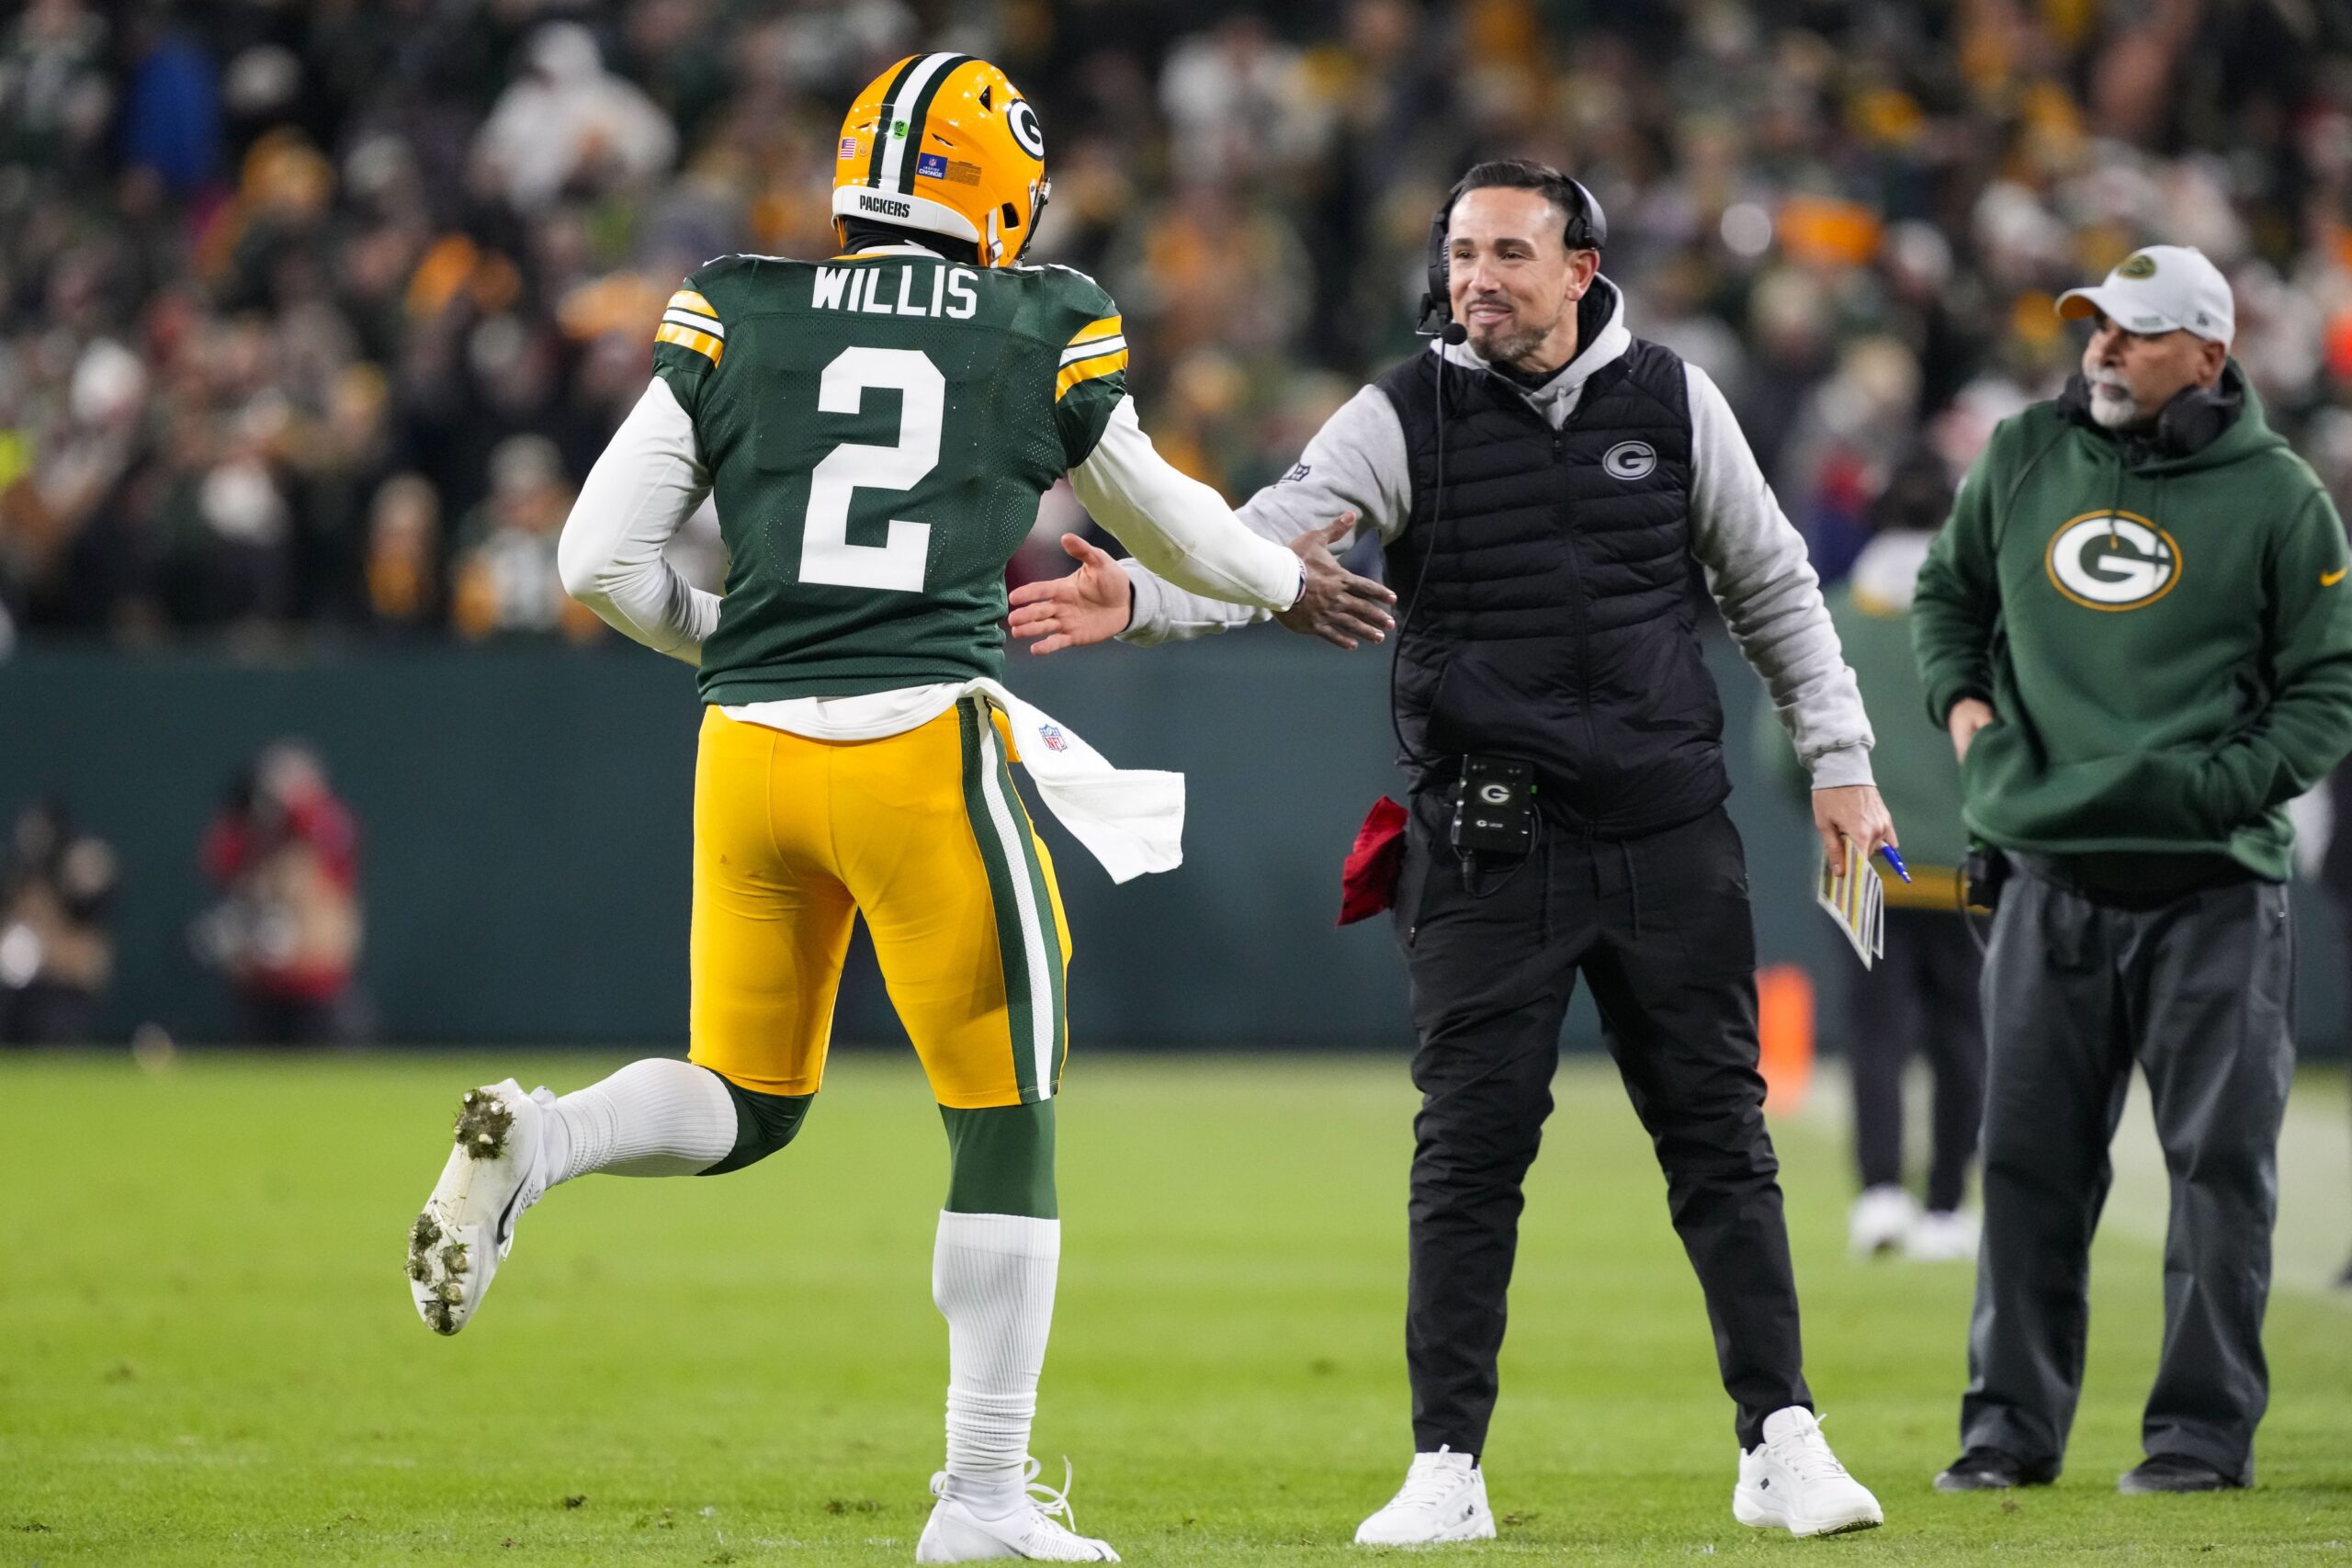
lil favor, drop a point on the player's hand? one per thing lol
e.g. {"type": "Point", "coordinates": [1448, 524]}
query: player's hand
{"type": "Point", "coordinates": [1851, 811]}
{"type": "Point", "coordinates": [1091, 604]}
{"type": "Point", "coordinates": [1967, 717]}
{"type": "Point", "coordinates": [1337, 605]}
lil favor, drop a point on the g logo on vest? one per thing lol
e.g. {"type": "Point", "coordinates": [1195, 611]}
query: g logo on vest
{"type": "Point", "coordinates": [2113, 560]}
{"type": "Point", "coordinates": [1629, 460]}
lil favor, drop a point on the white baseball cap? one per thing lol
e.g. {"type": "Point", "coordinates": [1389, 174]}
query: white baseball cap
{"type": "Point", "coordinates": [2160, 288]}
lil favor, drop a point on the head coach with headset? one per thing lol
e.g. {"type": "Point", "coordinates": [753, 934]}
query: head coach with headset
{"type": "Point", "coordinates": [2135, 628]}
{"type": "Point", "coordinates": [1541, 480]}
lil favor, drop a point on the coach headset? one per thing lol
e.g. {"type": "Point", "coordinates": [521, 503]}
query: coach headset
{"type": "Point", "coordinates": [1586, 229]}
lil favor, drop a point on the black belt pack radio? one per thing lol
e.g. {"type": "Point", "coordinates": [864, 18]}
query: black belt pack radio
{"type": "Point", "coordinates": [1494, 807]}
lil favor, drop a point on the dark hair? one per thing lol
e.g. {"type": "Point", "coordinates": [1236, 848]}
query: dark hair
{"type": "Point", "coordinates": [1585, 229]}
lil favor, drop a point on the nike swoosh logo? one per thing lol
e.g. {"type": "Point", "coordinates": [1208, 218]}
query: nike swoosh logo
{"type": "Point", "coordinates": [2330, 579]}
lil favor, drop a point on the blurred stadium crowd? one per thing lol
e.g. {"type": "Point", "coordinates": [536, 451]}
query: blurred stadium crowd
{"type": "Point", "coordinates": [315, 313]}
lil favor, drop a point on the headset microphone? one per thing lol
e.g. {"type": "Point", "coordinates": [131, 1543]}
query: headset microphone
{"type": "Point", "coordinates": [1453, 332]}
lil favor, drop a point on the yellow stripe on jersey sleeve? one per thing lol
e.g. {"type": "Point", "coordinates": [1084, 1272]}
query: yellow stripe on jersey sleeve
{"type": "Point", "coordinates": [1108, 326]}
{"type": "Point", "coordinates": [688, 299]}
{"type": "Point", "coordinates": [709, 347]}
{"type": "Point", "coordinates": [1106, 364]}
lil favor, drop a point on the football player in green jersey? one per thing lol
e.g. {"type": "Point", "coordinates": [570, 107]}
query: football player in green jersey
{"type": "Point", "coordinates": [875, 430]}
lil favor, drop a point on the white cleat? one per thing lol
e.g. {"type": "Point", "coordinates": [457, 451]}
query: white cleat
{"type": "Point", "coordinates": [955, 1533]}
{"type": "Point", "coordinates": [1791, 1481]}
{"type": "Point", "coordinates": [1941, 1235]}
{"type": "Point", "coordinates": [468, 1225]}
{"type": "Point", "coordinates": [1880, 1218]}
{"type": "Point", "coordinates": [1443, 1498]}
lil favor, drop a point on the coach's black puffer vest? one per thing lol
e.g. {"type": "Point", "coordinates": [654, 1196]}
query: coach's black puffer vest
{"type": "Point", "coordinates": [1548, 585]}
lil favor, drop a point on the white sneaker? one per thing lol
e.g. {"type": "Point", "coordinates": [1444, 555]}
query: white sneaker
{"type": "Point", "coordinates": [1443, 1498]}
{"type": "Point", "coordinates": [1882, 1216]}
{"type": "Point", "coordinates": [1941, 1235]}
{"type": "Point", "coordinates": [1791, 1480]}
{"type": "Point", "coordinates": [956, 1534]}
{"type": "Point", "coordinates": [468, 1225]}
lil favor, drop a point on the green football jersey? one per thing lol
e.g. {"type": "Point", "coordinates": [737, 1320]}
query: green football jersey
{"type": "Point", "coordinates": [878, 429]}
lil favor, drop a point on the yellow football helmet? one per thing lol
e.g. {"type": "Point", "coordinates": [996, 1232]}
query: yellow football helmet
{"type": "Point", "coordinates": [945, 144]}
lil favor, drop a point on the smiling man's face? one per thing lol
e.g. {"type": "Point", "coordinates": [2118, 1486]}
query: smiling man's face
{"type": "Point", "coordinates": [1511, 279]}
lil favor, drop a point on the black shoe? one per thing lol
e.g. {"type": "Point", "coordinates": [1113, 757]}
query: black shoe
{"type": "Point", "coordinates": [2174, 1472]}
{"type": "Point", "coordinates": [1990, 1469]}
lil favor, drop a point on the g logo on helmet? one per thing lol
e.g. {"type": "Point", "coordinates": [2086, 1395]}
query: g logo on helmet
{"type": "Point", "coordinates": [1629, 460]}
{"type": "Point", "coordinates": [1022, 120]}
{"type": "Point", "coordinates": [2113, 560]}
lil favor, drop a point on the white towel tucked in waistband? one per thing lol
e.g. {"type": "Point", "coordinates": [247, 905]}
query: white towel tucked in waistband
{"type": "Point", "coordinates": [1132, 819]}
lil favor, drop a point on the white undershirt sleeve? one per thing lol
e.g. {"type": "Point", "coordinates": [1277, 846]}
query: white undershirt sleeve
{"type": "Point", "coordinates": [1355, 463]}
{"type": "Point", "coordinates": [1178, 526]}
{"type": "Point", "coordinates": [642, 490]}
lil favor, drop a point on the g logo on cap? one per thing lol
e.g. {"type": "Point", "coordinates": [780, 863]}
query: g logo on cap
{"type": "Point", "coordinates": [2113, 560]}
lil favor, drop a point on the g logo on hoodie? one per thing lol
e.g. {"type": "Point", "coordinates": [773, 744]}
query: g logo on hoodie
{"type": "Point", "coordinates": [2113, 560]}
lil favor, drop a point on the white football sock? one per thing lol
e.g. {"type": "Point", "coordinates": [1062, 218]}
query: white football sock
{"type": "Point", "coordinates": [658, 1117]}
{"type": "Point", "coordinates": [992, 1276]}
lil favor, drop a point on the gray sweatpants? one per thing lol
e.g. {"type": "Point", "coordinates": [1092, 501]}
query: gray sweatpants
{"type": "Point", "coordinates": [2199, 993]}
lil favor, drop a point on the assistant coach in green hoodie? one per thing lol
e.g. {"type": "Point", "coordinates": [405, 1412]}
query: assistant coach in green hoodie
{"type": "Point", "coordinates": [2134, 628]}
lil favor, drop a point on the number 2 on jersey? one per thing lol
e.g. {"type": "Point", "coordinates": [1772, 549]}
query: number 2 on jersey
{"type": "Point", "coordinates": [826, 553]}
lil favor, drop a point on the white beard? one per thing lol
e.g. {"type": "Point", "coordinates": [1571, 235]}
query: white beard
{"type": "Point", "coordinates": [2112, 407]}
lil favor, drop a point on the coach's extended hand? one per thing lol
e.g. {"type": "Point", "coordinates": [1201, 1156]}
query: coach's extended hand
{"type": "Point", "coordinates": [1095, 603]}
{"type": "Point", "coordinates": [1338, 605]}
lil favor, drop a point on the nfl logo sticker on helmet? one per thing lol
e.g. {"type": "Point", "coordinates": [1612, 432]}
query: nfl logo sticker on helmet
{"type": "Point", "coordinates": [932, 166]}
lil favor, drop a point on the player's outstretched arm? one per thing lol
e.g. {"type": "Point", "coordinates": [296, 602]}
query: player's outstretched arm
{"type": "Point", "coordinates": [1095, 603]}
{"type": "Point", "coordinates": [1356, 463]}
{"type": "Point", "coordinates": [642, 490]}
{"type": "Point", "coordinates": [1182, 530]}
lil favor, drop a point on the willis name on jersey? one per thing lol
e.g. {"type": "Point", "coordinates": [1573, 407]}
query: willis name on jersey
{"type": "Point", "coordinates": [878, 428]}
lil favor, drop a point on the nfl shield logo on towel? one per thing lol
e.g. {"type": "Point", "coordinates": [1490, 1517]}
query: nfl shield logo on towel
{"type": "Point", "coordinates": [1052, 736]}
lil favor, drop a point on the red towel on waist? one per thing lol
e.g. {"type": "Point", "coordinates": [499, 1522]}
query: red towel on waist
{"type": "Point", "coordinates": [1368, 882]}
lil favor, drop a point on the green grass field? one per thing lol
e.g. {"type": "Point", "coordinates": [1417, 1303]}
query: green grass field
{"type": "Point", "coordinates": [208, 1355]}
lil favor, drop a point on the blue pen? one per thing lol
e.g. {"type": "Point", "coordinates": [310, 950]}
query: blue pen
{"type": "Point", "coordinates": [1894, 859]}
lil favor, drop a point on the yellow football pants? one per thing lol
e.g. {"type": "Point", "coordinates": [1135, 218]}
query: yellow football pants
{"type": "Point", "coordinates": [922, 833]}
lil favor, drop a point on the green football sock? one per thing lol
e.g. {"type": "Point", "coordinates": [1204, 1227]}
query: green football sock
{"type": "Point", "coordinates": [1000, 1160]}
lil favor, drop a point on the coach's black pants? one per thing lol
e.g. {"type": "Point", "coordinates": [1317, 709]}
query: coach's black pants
{"type": "Point", "coordinates": [2198, 992]}
{"type": "Point", "coordinates": [1922, 995]}
{"type": "Point", "coordinates": [1660, 929]}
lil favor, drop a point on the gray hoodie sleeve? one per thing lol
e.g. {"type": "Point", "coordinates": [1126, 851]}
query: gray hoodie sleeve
{"type": "Point", "coordinates": [1356, 463]}
{"type": "Point", "coordinates": [1770, 597]}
